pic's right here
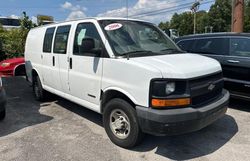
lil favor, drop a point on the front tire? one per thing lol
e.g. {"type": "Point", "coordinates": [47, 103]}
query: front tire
{"type": "Point", "coordinates": [38, 90]}
{"type": "Point", "coordinates": [2, 114]}
{"type": "Point", "coordinates": [121, 123]}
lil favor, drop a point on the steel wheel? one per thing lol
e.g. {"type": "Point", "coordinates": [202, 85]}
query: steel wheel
{"type": "Point", "coordinates": [119, 124]}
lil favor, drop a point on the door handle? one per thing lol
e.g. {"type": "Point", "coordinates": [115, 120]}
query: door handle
{"type": "Point", "coordinates": [70, 63]}
{"type": "Point", "coordinates": [53, 60]}
{"type": "Point", "coordinates": [233, 61]}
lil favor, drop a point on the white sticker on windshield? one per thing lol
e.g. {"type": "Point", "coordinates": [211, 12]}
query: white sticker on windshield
{"type": "Point", "coordinates": [113, 26]}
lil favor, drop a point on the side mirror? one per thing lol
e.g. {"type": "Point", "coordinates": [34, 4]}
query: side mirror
{"type": "Point", "coordinates": [88, 45]}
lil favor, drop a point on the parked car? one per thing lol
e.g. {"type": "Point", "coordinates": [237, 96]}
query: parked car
{"type": "Point", "coordinates": [12, 67]}
{"type": "Point", "coordinates": [2, 101]}
{"type": "Point", "coordinates": [130, 72]}
{"type": "Point", "coordinates": [232, 50]}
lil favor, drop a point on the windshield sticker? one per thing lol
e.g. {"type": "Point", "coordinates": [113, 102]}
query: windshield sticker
{"type": "Point", "coordinates": [113, 26]}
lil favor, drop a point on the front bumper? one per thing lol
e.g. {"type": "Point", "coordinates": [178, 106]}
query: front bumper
{"type": "Point", "coordinates": [182, 120]}
{"type": "Point", "coordinates": [6, 73]}
{"type": "Point", "coordinates": [2, 100]}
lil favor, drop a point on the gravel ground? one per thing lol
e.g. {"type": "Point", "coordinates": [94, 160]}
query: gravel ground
{"type": "Point", "coordinates": [59, 130]}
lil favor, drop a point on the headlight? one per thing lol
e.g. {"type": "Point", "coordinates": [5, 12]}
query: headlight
{"type": "Point", "coordinates": [5, 64]}
{"type": "Point", "coordinates": [170, 88]}
{"type": "Point", "coordinates": [162, 88]}
{"type": "Point", "coordinates": [169, 93]}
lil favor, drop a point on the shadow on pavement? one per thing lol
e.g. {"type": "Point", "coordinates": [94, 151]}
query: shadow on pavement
{"type": "Point", "coordinates": [81, 111]}
{"type": "Point", "coordinates": [192, 145]}
{"type": "Point", "coordinates": [22, 110]}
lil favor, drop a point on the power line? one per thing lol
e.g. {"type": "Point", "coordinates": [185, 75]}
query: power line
{"type": "Point", "coordinates": [167, 10]}
{"type": "Point", "coordinates": [167, 7]}
{"type": "Point", "coordinates": [160, 10]}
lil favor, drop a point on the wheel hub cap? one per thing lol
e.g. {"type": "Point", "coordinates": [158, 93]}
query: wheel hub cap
{"type": "Point", "coordinates": [119, 124]}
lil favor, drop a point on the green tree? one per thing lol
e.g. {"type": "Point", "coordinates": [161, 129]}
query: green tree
{"type": "Point", "coordinates": [13, 41]}
{"type": "Point", "coordinates": [26, 23]}
{"type": "Point", "coordinates": [220, 15]}
{"type": "Point", "coordinates": [164, 26]}
{"type": "Point", "coordinates": [247, 16]}
{"type": "Point", "coordinates": [2, 36]}
{"type": "Point", "coordinates": [202, 21]}
{"type": "Point", "coordinates": [182, 22]}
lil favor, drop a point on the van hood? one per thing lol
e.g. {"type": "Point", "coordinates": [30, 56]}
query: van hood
{"type": "Point", "coordinates": [181, 66]}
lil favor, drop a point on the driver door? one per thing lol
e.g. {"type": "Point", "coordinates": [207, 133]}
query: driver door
{"type": "Point", "coordinates": [85, 69]}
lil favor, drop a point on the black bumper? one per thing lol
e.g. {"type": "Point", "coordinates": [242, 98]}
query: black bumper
{"type": "Point", "coordinates": [183, 120]}
{"type": "Point", "coordinates": [2, 100]}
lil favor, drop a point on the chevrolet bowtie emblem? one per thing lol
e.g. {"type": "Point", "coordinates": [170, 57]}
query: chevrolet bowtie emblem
{"type": "Point", "coordinates": [211, 87]}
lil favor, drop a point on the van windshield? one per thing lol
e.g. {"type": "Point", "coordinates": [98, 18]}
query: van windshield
{"type": "Point", "coordinates": [137, 38]}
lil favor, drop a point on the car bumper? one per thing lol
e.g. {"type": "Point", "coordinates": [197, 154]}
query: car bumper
{"type": "Point", "coordinates": [2, 100]}
{"type": "Point", "coordinates": [180, 121]}
{"type": "Point", "coordinates": [6, 73]}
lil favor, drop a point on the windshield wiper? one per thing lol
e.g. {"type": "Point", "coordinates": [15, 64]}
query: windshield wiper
{"type": "Point", "coordinates": [201, 52]}
{"type": "Point", "coordinates": [135, 52]}
{"type": "Point", "coordinates": [170, 50]}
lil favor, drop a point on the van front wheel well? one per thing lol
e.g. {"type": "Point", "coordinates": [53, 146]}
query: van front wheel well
{"type": "Point", "coordinates": [34, 75]}
{"type": "Point", "coordinates": [111, 94]}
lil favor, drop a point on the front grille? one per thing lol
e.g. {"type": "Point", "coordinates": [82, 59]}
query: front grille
{"type": "Point", "coordinates": [206, 89]}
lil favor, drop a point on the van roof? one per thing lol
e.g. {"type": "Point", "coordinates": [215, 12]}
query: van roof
{"type": "Point", "coordinates": [93, 18]}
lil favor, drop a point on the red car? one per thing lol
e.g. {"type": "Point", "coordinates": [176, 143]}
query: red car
{"type": "Point", "coordinates": [12, 67]}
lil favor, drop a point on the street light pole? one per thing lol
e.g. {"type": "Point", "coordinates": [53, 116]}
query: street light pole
{"type": "Point", "coordinates": [127, 8]}
{"type": "Point", "coordinates": [195, 22]}
{"type": "Point", "coordinates": [194, 9]}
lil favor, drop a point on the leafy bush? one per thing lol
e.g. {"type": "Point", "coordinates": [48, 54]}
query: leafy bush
{"type": "Point", "coordinates": [12, 42]}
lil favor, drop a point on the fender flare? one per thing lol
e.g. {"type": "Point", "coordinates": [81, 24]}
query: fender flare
{"type": "Point", "coordinates": [122, 91]}
{"type": "Point", "coordinates": [39, 75]}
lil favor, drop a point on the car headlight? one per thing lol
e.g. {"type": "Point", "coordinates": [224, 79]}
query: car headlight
{"type": "Point", "coordinates": [169, 93]}
{"type": "Point", "coordinates": [170, 88]}
{"type": "Point", "coordinates": [162, 88]}
{"type": "Point", "coordinates": [5, 65]}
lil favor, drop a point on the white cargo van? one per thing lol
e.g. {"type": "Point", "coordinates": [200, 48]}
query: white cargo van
{"type": "Point", "coordinates": [130, 72]}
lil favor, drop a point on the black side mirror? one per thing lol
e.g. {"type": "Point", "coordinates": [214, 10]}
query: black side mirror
{"type": "Point", "coordinates": [88, 45]}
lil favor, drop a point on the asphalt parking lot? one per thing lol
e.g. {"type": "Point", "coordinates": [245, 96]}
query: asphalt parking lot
{"type": "Point", "coordinates": [59, 130]}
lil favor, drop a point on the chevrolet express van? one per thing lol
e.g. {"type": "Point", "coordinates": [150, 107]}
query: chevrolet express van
{"type": "Point", "coordinates": [130, 72]}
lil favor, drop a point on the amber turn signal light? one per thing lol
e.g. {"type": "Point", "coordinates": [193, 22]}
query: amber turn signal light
{"type": "Point", "coordinates": [158, 103]}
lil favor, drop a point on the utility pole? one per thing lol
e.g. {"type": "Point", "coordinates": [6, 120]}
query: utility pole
{"type": "Point", "coordinates": [127, 8]}
{"type": "Point", "coordinates": [237, 15]}
{"type": "Point", "coordinates": [194, 9]}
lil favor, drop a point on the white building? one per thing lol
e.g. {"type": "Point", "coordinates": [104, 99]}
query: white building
{"type": "Point", "coordinates": [9, 23]}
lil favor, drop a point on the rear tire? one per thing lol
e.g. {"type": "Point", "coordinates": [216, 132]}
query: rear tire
{"type": "Point", "coordinates": [2, 114]}
{"type": "Point", "coordinates": [38, 90]}
{"type": "Point", "coordinates": [121, 123]}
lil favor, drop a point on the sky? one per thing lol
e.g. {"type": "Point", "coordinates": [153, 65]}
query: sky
{"type": "Point", "coordinates": [151, 10]}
